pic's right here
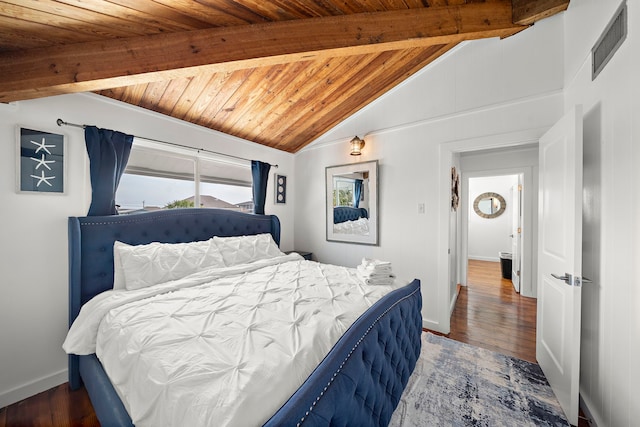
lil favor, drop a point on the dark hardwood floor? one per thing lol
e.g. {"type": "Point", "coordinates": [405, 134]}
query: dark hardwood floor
{"type": "Point", "coordinates": [59, 406]}
{"type": "Point", "coordinates": [488, 313]}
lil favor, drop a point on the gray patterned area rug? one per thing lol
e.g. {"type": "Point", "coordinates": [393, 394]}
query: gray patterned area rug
{"type": "Point", "coordinates": [456, 384]}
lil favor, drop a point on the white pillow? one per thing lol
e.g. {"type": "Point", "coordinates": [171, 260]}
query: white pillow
{"type": "Point", "coordinates": [154, 263]}
{"type": "Point", "coordinates": [118, 271]}
{"type": "Point", "coordinates": [244, 249]}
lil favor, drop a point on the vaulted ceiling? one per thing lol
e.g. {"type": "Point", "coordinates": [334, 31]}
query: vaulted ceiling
{"type": "Point", "coordinates": [277, 72]}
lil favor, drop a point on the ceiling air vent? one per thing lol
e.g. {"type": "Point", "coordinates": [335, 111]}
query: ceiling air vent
{"type": "Point", "coordinates": [610, 40]}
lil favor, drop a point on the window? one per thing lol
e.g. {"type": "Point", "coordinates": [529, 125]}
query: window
{"type": "Point", "coordinates": [343, 191]}
{"type": "Point", "coordinates": [164, 179]}
{"type": "Point", "coordinates": [349, 186]}
{"type": "Point", "coordinates": [225, 186]}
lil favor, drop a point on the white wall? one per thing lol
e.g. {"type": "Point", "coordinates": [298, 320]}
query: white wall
{"type": "Point", "coordinates": [488, 236]}
{"type": "Point", "coordinates": [611, 227]}
{"type": "Point", "coordinates": [33, 252]}
{"type": "Point", "coordinates": [476, 75]}
{"type": "Point", "coordinates": [485, 93]}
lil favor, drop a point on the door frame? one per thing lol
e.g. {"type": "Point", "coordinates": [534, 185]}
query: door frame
{"type": "Point", "coordinates": [517, 223]}
{"type": "Point", "coordinates": [447, 150]}
{"type": "Point", "coordinates": [528, 274]}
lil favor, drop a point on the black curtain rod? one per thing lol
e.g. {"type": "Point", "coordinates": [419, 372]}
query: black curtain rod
{"type": "Point", "coordinates": [61, 122]}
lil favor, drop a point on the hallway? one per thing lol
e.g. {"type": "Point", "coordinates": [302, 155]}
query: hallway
{"type": "Point", "coordinates": [490, 314]}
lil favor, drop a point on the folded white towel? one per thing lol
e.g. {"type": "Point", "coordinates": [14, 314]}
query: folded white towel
{"type": "Point", "coordinates": [375, 272]}
{"type": "Point", "coordinates": [376, 281]}
{"type": "Point", "coordinates": [375, 269]}
{"type": "Point", "coordinates": [388, 282]}
{"type": "Point", "coordinates": [371, 274]}
{"type": "Point", "coordinates": [374, 263]}
{"type": "Point", "coordinates": [374, 266]}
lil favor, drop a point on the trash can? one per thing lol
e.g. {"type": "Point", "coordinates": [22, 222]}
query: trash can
{"type": "Point", "coordinates": [505, 264]}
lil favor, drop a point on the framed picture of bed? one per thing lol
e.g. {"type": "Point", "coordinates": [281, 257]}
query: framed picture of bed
{"type": "Point", "coordinates": [352, 203]}
{"type": "Point", "coordinates": [40, 161]}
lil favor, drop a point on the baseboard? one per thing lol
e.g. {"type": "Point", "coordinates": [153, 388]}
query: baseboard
{"type": "Point", "coordinates": [31, 389]}
{"type": "Point", "coordinates": [588, 409]}
{"type": "Point", "coordinates": [483, 258]}
{"type": "Point", "coordinates": [432, 326]}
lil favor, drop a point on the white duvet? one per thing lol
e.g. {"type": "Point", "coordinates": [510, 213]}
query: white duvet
{"type": "Point", "coordinates": [359, 226]}
{"type": "Point", "coordinates": [225, 346]}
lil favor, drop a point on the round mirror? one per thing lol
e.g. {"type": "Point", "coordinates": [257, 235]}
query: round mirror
{"type": "Point", "coordinates": [489, 205]}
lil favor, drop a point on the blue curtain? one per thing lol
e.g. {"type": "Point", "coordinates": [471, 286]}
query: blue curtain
{"type": "Point", "coordinates": [260, 175]}
{"type": "Point", "coordinates": [108, 156]}
{"type": "Point", "coordinates": [357, 192]}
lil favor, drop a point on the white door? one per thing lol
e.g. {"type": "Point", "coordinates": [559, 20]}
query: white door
{"type": "Point", "coordinates": [516, 233]}
{"type": "Point", "coordinates": [559, 254]}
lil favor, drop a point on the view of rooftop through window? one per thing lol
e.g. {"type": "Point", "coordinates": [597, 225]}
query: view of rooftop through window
{"type": "Point", "coordinates": [158, 179]}
{"type": "Point", "coordinates": [138, 192]}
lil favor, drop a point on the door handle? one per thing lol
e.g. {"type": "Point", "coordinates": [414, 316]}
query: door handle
{"type": "Point", "coordinates": [571, 280]}
{"type": "Point", "coordinates": [566, 278]}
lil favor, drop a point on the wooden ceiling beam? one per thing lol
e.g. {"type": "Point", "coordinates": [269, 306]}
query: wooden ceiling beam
{"type": "Point", "coordinates": [94, 66]}
{"type": "Point", "coordinates": [527, 12]}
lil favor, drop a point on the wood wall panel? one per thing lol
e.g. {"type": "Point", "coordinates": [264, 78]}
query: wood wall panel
{"type": "Point", "coordinates": [277, 72]}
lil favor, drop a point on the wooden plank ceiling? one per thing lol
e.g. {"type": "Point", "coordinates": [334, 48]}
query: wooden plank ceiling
{"type": "Point", "coordinates": [277, 72]}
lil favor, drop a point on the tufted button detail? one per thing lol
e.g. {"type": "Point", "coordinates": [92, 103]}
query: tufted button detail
{"type": "Point", "coordinates": [395, 336]}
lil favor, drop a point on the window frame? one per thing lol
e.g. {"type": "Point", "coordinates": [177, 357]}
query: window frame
{"type": "Point", "coordinates": [191, 154]}
{"type": "Point", "coordinates": [351, 183]}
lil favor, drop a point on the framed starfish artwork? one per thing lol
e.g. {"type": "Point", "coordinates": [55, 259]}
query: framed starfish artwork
{"type": "Point", "coordinates": [41, 162]}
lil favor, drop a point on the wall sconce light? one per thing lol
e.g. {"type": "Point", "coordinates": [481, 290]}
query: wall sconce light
{"type": "Point", "coordinates": [356, 146]}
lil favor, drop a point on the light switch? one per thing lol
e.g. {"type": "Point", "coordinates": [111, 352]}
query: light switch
{"type": "Point", "coordinates": [420, 208]}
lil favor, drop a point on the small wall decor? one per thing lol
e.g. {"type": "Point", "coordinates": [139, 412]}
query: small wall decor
{"type": "Point", "coordinates": [281, 189]}
{"type": "Point", "coordinates": [489, 205]}
{"type": "Point", "coordinates": [455, 189]}
{"type": "Point", "coordinates": [40, 164]}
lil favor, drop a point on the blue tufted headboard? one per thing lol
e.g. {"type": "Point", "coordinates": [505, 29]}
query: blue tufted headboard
{"type": "Point", "coordinates": [345, 213]}
{"type": "Point", "coordinates": [91, 243]}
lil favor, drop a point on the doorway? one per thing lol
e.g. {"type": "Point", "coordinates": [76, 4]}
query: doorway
{"type": "Point", "coordinates": [509, 153]}
{"type": "Point", "coordinates": [489, 311]}
{"type": "Point", "coordinates": [484, 239]}
{"type": "Point", "coordinates": [448, 153]}
{"type": "Point", "coordinates": [494, 223]}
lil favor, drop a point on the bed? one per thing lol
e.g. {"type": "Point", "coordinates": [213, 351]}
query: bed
{"type": "Point", "coordinates": [358, 382]}
{"type": "Point", "coordinates": [345, 213]}
{"type": "Point", "coordinates": [352, 221]}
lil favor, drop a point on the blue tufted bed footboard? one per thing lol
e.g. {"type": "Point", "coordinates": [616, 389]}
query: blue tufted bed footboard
{"type": "Point", "coordinates": [358, 383]}
{"type": "Point", "coordinates": [361, 380]}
